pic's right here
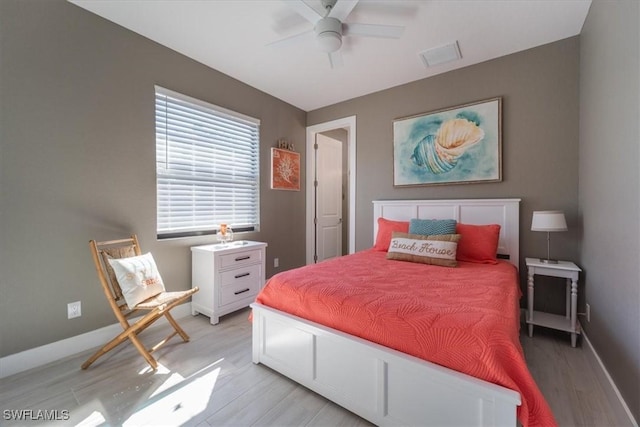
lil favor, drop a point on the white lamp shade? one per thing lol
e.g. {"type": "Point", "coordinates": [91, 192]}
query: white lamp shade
{"type": "Point", "coordinates": [548, 221]}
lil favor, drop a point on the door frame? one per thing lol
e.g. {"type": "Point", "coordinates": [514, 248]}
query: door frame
{"type": "Point", "coordinates": [349, 124]}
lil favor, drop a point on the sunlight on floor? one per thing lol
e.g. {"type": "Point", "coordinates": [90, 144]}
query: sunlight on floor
{"type": "Point", "coordinates": [161, 370]}
{"type": "Point", "coordinates": [92, 414]}
{"type": "Point", "coordinates": [94, 419]}
{"type": "Point", "coordinates": [177, 400]}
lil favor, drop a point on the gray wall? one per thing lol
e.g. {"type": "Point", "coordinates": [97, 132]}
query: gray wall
{"type": "Point", "coordinates": [610, 186]}
{"type": "Point", "coordinates": [539, 90]}
{"type": "Point", "coordinates": [77, 162]}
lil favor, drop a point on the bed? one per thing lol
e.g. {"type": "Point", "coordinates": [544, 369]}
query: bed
{"type": "Point", "coordinates": [337, 334]}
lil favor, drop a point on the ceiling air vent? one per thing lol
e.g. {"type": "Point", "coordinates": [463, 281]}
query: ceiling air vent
{"type": "Point", "coordinates": [440, 55]}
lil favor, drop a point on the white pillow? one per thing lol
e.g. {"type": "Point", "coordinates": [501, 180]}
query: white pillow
{"type": "Point", "coordinates": [138, 277]}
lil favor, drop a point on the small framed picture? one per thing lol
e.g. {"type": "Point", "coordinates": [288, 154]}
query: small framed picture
{"type": "Point", "coordinates": [285, 170]}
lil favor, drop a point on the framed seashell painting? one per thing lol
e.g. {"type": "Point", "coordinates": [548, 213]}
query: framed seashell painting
{"type": "Point", "coordinates": [458, 145]}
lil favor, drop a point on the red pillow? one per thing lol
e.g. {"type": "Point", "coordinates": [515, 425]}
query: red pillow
{"type": "Point", "coordinates": [479, 243]}
{"type": "Point", "coordinates": [386, 227]}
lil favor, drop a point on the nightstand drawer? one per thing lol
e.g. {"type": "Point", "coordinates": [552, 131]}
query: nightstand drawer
{"type": "Point", "coordinates": [240, 258]}
{"type": "Point", "coordinates": [238, 291]}
{"type": "Point", "coordinates": [250, 273]}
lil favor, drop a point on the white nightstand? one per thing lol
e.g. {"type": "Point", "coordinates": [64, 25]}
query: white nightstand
{"type": "Point", "coordinates": [229, 276]}
{"type": "Point", "coordinates": [569, 321]}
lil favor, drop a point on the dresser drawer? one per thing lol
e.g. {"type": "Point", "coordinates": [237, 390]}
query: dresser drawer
{"type": "Point", "coordinates": [240, 258]}
{"type": "Point", "coordinates": [239, 291]}
{"type": "Point", "coordinates": [250, 273]}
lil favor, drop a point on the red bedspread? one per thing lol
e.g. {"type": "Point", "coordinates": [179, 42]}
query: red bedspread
{"type": "Point", "coordinates": [465, 318]}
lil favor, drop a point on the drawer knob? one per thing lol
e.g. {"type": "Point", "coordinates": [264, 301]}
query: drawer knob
{"type": "Point", "coordinates": [242, 291]}
{"type": "Point", "coordinates": [242, 258]}
{"type": "Point", "coordinates": [237, 276]}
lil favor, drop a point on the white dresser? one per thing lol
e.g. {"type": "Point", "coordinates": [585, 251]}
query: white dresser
{"type": "Point", "coordinates": [229, 277]}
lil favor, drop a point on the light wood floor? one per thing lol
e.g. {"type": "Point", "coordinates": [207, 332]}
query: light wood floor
{"type": "Point", "coordinates": [211, 381]}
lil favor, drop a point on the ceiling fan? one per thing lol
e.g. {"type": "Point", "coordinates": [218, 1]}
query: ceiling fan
{"type": "Point", "coordinates": [328, 28]}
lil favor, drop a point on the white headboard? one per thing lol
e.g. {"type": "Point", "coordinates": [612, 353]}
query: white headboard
{"type": "Point", "coordinates": [505, 212]}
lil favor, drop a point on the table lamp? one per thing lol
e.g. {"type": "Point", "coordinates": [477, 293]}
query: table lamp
{"type": "Point", "coordinates": [549, 221]}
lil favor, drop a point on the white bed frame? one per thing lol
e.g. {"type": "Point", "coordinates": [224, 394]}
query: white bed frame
{"type": "Point", "coordinates": [382, 385]}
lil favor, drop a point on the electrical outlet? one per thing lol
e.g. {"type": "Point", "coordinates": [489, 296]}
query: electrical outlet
{"type": "Point", "coordinates": [74, 309]}
{"type": "Point", "coordinates": [276, 262]}
{"type": "Point", "coordinates": [588, 312]}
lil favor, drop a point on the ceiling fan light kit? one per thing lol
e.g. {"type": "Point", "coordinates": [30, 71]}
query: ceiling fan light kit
{"type": "Point", "coordinates": [329, 34]}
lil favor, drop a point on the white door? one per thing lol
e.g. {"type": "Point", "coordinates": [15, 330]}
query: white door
{"type": "Point", "coordinates": [328, 197]}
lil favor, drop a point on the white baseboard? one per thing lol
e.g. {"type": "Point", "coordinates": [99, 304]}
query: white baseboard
{"type": "Point", "coordinates": [32, 358]}
{"type": "Point", "coordinates": [614, 389]}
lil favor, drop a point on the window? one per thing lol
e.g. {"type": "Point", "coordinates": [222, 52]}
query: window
{"type": "Point", "coordinates": [207, 167]}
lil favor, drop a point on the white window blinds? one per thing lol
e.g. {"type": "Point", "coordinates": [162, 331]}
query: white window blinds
{"type": "Point", "coordinates": [207, 167]}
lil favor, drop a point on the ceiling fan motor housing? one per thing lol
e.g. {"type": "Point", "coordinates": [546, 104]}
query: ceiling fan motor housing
{"type": "Point", "coordinates": [329, 34]}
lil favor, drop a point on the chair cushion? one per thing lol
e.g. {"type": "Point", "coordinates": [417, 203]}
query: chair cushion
{"type": "Point", "coordinates": [138, 277]}
{"type": "Point", "coordinates": [117, 252]}
{"type": "Point", "coordinates": [165, 298]}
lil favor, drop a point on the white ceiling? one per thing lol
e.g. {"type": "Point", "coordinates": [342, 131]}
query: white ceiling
{"type": "Point", "coordinates": [232, 37]}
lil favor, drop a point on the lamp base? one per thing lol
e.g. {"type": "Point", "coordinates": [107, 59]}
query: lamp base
{"type": "Point", "coordinates": [548, 261]}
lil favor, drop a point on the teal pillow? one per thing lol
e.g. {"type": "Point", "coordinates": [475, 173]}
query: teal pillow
{"type": "Point", "coordinates": [432, 227]}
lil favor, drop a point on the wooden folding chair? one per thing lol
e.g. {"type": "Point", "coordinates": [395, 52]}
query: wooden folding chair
{"type": "Point", "coordinates": [155, 307]}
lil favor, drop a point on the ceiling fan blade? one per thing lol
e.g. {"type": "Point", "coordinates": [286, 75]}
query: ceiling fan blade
{"type": "Point", "coordinates": [373, 30]}
{"type": "Point", "coordinates": [304, 10]}
{"type": "Point", "coordinates": [342, 9]}
{"type": "Point", "coordinates": [335, 59]}
{"type": "Point", "coordinates": [294, 39]}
